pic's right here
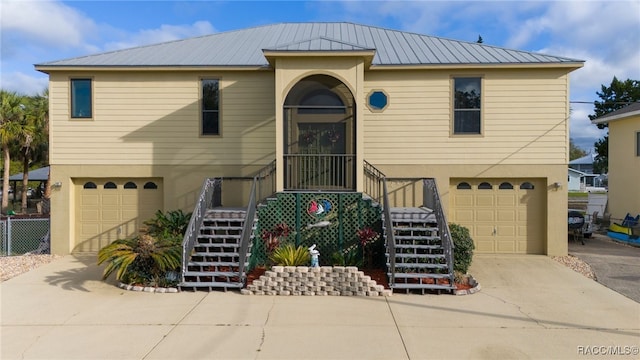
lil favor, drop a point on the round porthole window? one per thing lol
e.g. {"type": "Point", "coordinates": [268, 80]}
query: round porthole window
{"type": "Point", "coordinates": [377, 100]}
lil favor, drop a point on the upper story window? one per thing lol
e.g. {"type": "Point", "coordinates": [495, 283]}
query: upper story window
{"type": "Point", "coordinates": [638, 143]}
{"type": "Point", "coordinates": [210, 107]}
{"type": "Point", "coordinates": [467, 105]}
{"type": "Point", "coordinates": [81, 98]}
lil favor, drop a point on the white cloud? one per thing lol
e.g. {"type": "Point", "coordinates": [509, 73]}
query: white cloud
{"type": "Point", "coordinates": [162, 34]}
{"type": "Point", "coordinates": [47, 23]}
{"type": "Point", "coordinates": [24, 83]}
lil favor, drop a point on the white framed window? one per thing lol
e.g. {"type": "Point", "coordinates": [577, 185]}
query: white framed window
{"type": "Point", "coordinates": [467, 105]}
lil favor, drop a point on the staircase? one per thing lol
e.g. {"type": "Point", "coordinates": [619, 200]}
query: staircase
{"type": "Point", "coordinates": [420, 259]}
{"type": "Point", "coordinates": [215, 258]}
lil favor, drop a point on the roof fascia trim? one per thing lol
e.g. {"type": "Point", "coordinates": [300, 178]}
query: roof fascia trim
{"type": "Point", "coordinates": [570, 66]}
{"type": "Point", "coordinates": [48, 68]}
{"type": "Point", "coordinates": [616, 117]}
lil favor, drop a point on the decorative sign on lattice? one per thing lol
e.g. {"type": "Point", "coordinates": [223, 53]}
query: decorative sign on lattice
{"type": "Point", "coordinates": [329, 220]}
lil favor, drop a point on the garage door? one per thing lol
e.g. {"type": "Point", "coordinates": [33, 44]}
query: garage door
{"type": "Point", "coordinates": [110, 209]}
{"type": "Point", "coordinates": [503, 215]}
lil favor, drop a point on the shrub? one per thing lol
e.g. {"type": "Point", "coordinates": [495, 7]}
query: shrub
{"type": "Point", "coordinates": [142, 259]}
{"type": "Point", "coordinates": [351, 256]}
{"type": "Point", "coordinates": [289, 255]}
{"type": "Point", "coordinates": [463, 247]}
{"type": "Point", "coordinates": [172, 224]}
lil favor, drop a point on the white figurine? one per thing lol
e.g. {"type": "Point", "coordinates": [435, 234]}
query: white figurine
{"type": "Point", "coordinates": [314, 256]}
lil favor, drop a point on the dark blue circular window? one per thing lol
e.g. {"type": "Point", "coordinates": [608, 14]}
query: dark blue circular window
{"type": "Point", "coordinates": [377, 100]}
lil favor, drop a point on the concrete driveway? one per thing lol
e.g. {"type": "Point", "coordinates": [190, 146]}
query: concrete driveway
{"type": "Point", "coordinates": [616, 265]}
{"type": "Point", "coordinates": [530, 307]}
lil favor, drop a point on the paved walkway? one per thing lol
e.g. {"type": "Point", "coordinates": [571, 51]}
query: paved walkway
{"type": "Point", "coordinates": [616, 265]}
{"type": "Point", "coordinates": [530, 307]}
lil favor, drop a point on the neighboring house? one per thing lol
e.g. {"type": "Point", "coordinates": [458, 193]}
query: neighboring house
{"type": "Point", "coordinates": [624, 160]}
{"type": "Point", "coordinates": [137, 130]}
{"type": "Point", "coordinates": [584, 164]}
{"type": "Point", "coordinates": [578, 181]}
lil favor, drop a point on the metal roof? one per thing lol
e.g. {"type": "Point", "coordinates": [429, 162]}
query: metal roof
{"type": "Point", "coordinates": [245, 48]}
{"type": "Point", "coordinates": [585, 160]}
{"type": "Point", "coordinates": [41, 174]}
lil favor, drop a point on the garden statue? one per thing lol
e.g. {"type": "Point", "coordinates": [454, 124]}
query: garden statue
{"type": "Point", "coordinates": [314, 256]}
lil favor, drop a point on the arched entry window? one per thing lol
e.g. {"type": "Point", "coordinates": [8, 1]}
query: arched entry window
{"type": "Point", "coordinates": [319, 135]}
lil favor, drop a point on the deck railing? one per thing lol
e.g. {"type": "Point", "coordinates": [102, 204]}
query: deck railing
{"type": "Point", "coordinates": [209, 198]}
{"type": "Point", "coordinates": [320, 172]}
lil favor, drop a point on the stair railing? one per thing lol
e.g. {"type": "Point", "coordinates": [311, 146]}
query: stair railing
{"type": "Point", "coordinates": [247, 229]}
{"type": "Point", "coordinates": [209, 197]}
{"type": "Point", "coordinates": [389, 233]}
{"type": "Point", "coordinates": [431, 187]}
{"type": "Point", "coordinates": [266, 185]}
{"type": "Point", "coordinates": [373, 179]}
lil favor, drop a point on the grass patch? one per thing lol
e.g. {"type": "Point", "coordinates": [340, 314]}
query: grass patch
{"type": "Point", "coordinates": [578, 195]}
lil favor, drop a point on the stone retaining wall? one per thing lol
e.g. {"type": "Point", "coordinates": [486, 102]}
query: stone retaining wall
{"type": "Point", "coordinates": [322, 281]}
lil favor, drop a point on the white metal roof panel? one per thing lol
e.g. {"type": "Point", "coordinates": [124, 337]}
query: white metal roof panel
{"type": "Point", "coordinates": [245, 48]}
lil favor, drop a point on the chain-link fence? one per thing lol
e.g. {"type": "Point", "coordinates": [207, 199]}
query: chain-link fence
{"type": "Point", "coordinates": [19, 236]}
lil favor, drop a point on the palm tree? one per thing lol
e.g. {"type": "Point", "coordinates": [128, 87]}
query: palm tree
{"type": "Point", "coordinates": [36, 139]}
{"type": "Point", "coordinates": [11, 130]}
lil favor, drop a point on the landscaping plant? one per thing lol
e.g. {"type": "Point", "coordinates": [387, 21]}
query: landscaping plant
{"type": "Point", "coordinates": [289, 255]}
{"type": "Point", "coordinates": [143, 259]}
{"type": "Point", "coordinates": [173, 223]}
{"type": "Point", "coordinates": [463, 248]}
{"type": "Point", "coordinates": [152, 258]}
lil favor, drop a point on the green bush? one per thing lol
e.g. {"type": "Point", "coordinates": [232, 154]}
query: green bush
{"type": "Point", "coordinates": [289, 255]}
{"type": "Point", "coordinates": [170, 224]}
{"type": "Point", "coordinates": [143, 259]}
{"type": "Point", "coordinates": [463, 248]}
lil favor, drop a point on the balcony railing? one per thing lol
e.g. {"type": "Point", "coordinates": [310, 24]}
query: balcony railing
{"type": "Point", "coordinates": [320, 172]}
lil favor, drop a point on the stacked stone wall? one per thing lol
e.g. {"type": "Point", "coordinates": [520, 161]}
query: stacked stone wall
{"type": "Point", "coordinates": [320, 281]}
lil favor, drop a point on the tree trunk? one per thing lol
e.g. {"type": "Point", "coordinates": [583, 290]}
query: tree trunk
{"type": "Point", "coordinates": [5, 177]}
{"type": "Point", "coordinates": [25, 180]}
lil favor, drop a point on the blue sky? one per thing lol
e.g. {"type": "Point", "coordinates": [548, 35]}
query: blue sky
{"type": "Point", "coordinates": [603, 33]}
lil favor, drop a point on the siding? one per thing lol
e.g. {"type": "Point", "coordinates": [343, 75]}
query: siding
{"type": "Point", "coordinates": [524, 119]}
{"type": "Point", "coordinates": [154, 118]}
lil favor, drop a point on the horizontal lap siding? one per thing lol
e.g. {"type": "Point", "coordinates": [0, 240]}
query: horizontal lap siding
{"type": "Point", "coordinates": [154, 118]}
{"type": "Point", "coordinates": [524, 119]}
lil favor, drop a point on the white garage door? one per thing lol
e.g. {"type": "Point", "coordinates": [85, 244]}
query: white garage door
{"type": "Point", "coordinates": [503, 215]}
{"type": "Point", "coordinates": [110, 209]}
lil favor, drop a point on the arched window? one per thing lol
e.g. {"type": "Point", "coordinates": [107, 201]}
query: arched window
{"type": "Point", "coordinates": [505, 186]}
{"type": "Point", "coordinates": [321, 101]}
{"type": "Point", "coordinates": [463, 186]}
{"type": "Point", "coordinates": [130, 185]}
{"type": "Point", "coordinates": [90, 185]}
{"type": "Point", "coordinates": [485, 186]}
{"type": "Point", "coordinates": [110, 185]}
{"type": "Point", "coordinates": [526, 186]}
{"type": "Point", "coordinates": [150, 185]}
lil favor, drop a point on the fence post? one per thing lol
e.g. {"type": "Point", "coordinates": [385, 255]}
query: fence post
{"type": "Point", "coordinates": [8, 235]}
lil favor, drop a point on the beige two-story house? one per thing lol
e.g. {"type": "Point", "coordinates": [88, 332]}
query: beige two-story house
{"type": "Point", "coordinates": [624, 160]}
{"type": "Point", "coordinates": [325, 105]}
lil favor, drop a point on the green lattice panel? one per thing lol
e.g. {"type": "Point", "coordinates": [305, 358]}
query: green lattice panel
{"type": "Point", "coordinates": [345, 212]}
